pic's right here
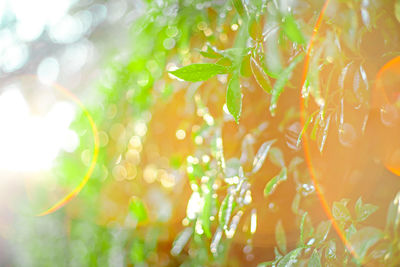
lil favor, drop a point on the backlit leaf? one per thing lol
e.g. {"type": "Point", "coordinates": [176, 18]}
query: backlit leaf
{"type": "Point", "coordinates": [261, 155]}
{"type": "Point", "coordinates": [274, 182]}
{"type": "Point", "coordinates": [260, 76]}
{"type": "Point", "coordinates": [364, 239]}
{"type": "Point", "coordinates": [364, 210]}
{"type": "Point", "coordinates": [340, 212]}
{"type": "Point", "coordinates": [280, 83]}
{"type": "Point", "coordinates": [315, 260]}
{"type": "Point", "coordinates": [292, 30]}
{"type": "Point", "coordinates": [290, 259]}
{"type": "Point", "coordinates": [234, 97]}
{"type": "Point", "coordinates": [138, 209]}
{"type": "Point", "coordinates": [280, 237]}
{"type": "Point", "coordinates": [322, 231]}
{"type": "Point", "coordinates": [199, 72]}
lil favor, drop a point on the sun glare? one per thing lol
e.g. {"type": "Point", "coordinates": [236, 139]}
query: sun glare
{"type": "Point", "coordinates": [30, 142]}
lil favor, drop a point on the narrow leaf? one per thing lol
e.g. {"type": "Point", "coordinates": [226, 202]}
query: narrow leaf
{"type": "Point", "coordinates": [138, 209]}
{"type": "Point", "coordinates": [199, 72]}
{"type": "Point", "coordinates": [315, 260]}
{"type": "Point", "coordinates": [290, 259]}
{"type": "Point", "coordinates": [322, 231]}
{"type": "Point", "coordinates": [260, 76]}
{"type": "Point", "coordinates": [280, 237]}
{"type": "Point", "coordinates": [303, 218]}
{"type": "Point", "coordinates": [261, 155]}
{"type": "Point", "coordinates": [280, 83]}
{"type": "Point", "coordinates": [225, 211]}
{"type": "Point", "coordinates": [274, 182]}
{"type": "Point", "coordinates": [292, 30]}
{"type": "Point", "coordinates": [234, 97]}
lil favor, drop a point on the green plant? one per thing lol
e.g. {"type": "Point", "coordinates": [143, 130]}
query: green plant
{"type": "Point", "coordinates": [184, 139]}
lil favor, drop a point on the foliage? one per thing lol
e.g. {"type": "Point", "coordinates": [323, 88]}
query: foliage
{"type": "Point", "coordinates": [239, 90]}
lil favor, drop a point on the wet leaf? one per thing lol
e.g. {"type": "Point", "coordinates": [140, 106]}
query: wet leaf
{"type": "Point", "coordinates": [290, 259]}
{"type": "Point", "coordinates": [260, 76]}
{"type": "Point", "coordinates": [261, 155]}
{"type": "Point", "coordinates": [324, 134]}
{"type": "Point", "coordinates": [306, 124]}
{"type": "Point", "coordinates": [292, 30]}
{"type": "Point", "coordinates": [340, 212]}
{"type": "Point", "coordinates": [330, 251]}
{"type": "Point", "coordinates": [199, 72]}
{"type": "Point", "coordinates": [303, 218]}
{"type": "Point", "coordinates": [280, 83]}
{"type": "Point", "coordinates": [225, 211]}
{"type": "Point", "coordinates": [274, 182]}
{"type": "Point", "coordinates": [234, 97]}
{"type": "Point", "coordinates": [206, 213]}
{"type": "Point", "coordinates": [296, 203]}
{"type": "Point", "coordinates": [315, 259]}
{"type": "Point", "coordinates": [181, 240]}
{"type": "Point", "coordinates": [322, 231]}
{"type": "Point", "coordinates": [138, 209]}
{"type": "Point", "coordinates": [280, 237]}
{"type": "Point", "coordinates": [364, 239]}
{"type": "Point", "coordinates": [363, 211]}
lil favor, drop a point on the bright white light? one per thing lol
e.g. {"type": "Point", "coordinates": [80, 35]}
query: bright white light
{"type": "Point", "coordinates": [48, 70]}
{"type": "Point", "coordinates": [31, 143]}
{"type": "Point", "coordinates": [14, 57]}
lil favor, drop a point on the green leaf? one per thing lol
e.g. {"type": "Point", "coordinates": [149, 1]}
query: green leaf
{"type": "Point", "coordinates": [276, 157]}
{"type": "Point", "coordinates": [364, 211]}
{"type": "Point", "coordinates": [303, 218]}
{"type": "Point", "coordinates": [234, 97]}
{"type": "Point", "coordinates": [225, 211]}
{"type": "Point", "coordinates": [397, 10]}
{"type": "Point", "coordinates": [290, 259]}
{"type": "Point", "coordinates": [238, 4]}
{"type": "Point", "coordinates": [292, 30]}
{"type": "Point", "coordinates": [274, 182]}
{"type": "Point", "coordinates": [205, 215]}
{"type": "Point", "coordinates": [280, 83]}
{"type": "Point", "coordinates": [265, 264]}
{"type": "Point", "coordinates": [340, 212]}
{"type": "Point", "coordinates": [364, 239]}
{"type": "Point", "coordinates": [260, 76]}
{"type": "Point", "coordinates": [261, 155]}
{"type": "Point", "coordinates": [393, 215]}
{"type": "Point", "coordinates": [330, 251]}
{"type": "Point", "coordinates": [280, 237]}
{"type": "Point", "coordinates": [350, 231]}
{"type": "Point", "coordinates": [138, 209]}
{"type": "Point", "coordinates": [199, 72]}
{"type": "Point", "coordinates": [322, 231]}
{"type": "Point", "coordinates": [315, 260]}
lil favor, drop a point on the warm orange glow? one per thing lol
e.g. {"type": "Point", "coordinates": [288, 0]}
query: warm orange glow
{"type": "Point", "coordinates": [307, 155]}
{"type": "Point", "coordinates": [89, 172]}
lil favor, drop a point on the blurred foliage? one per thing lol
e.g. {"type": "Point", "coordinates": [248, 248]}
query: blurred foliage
{"type": "Point", "coordinates": [179, 180]}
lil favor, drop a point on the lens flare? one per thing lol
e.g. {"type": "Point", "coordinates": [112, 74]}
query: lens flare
{"type": "Point", "coordinates": [307, 154]}
{"type": "Point", "coordinates": [89, 172]}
